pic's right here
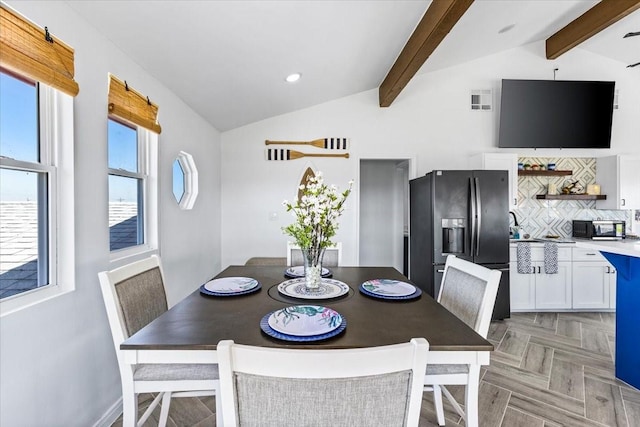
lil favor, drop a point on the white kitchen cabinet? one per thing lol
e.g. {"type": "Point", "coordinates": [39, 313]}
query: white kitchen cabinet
{"type": "Point", "coordinates": [522, 289]}
{"type": "Point", "coordinates": [594, 280]}
{"type": "Point", "coordinates": [619, 179]}
{"type": "Point", "coordinates": [501, 161]}
{"type": "Point", "coordinates": [553, 291]}
{"type": "Point", "coordinates": [538, 290]}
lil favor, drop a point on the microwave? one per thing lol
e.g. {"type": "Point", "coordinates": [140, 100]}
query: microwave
{"type": "Point", "coordinates": [599, 229]}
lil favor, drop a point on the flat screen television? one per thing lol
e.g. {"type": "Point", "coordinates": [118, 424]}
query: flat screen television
{"type": "Point", "coordinates": [556, 114]}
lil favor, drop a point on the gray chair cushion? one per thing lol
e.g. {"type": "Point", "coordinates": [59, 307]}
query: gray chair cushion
{"type": "Point", "coordinates": [266, 261]}
{"type": "Point", "coordinates": [447, 369]}
{"type": "Point", "coordinates": [175, 372]}
{"type": "Point", "coordinates": [378, 400]}
{"type": "Point", "coordinates": [462, 295]}
{"type": "Point", "coordinates": [142, 299]}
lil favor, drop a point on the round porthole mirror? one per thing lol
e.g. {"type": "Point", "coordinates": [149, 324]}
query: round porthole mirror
{"type": "Point", "coordinates": [185, 180]}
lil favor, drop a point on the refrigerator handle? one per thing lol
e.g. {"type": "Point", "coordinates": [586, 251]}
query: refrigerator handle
{"type": "Point", "coordinates": [479, 214]}
{"type": "Point", "coordinates": [473, 215]}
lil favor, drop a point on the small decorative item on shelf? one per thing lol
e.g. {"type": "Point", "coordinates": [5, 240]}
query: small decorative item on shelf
{"type": "Point", "coordinates": [542, 167]}
{"type": "Point", "coordinates": [593, 189]}
{"type": "Point", "coordinates": [520, 166]}
{"type": "Point", "coordinates": [572, 187]}
{"type": "Point", "coordinates": [535, 167]}
{"type": "Point", "coordinates": [551, 166]}
{"type": "Point", "coordinates": [527, 167]}
{"type": "Point", "coordinates": [316, 214]}
{"type": "Point", "coordinates": [552, 189]}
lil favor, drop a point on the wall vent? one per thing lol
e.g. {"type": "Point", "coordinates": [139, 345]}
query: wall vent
{"type": "Point", "coordinates": [481, 100]}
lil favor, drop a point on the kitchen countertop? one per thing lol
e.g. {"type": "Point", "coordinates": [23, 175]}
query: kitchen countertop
{"type": "Point", "coordinates": [563, 240]}
{"type": "Point", "coordinates": [629, 247]}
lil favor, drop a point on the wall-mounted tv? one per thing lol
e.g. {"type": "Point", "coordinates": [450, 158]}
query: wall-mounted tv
{"type": "Point", "coordinates": [556, 114]}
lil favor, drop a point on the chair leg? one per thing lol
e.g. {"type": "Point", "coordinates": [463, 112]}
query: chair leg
{"type": "Point", "coordinates": [218, 408]}
{"type": "Point", "coordinates": [129, 409]}
{"type": "Point", "coordinates": [437, 402]}
{"type": "Point", "coordinates": [454, 403]}
{"type": "Point", "coordinates": [164, 410]}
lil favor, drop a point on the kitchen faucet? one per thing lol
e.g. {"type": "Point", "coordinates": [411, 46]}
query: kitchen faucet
{"type": "Point", "coordinates": [515, 220]}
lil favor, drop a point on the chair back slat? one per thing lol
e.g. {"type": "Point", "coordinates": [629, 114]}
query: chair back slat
{"type": "Point", "coordinates": [469, 291]}
{"type": "Point", "coordinates": [381, 400]}
{"type": "Point", "coordinates": [376, 386]}
{"type": "Point", "coordinates": [141, 298]}
{"type": "Point", "coordinates": [462, 294]}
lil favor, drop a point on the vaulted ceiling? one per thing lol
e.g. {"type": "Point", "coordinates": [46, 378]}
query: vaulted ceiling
{"type": "Point", "coordinates": [228, 59]}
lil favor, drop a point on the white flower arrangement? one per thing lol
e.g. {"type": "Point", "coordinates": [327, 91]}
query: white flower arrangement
{"type": "Point", "coordinates": [316, 214]}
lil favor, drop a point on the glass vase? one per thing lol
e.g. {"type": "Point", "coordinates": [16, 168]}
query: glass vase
{"type": "Point", "coordinates": [312, 268]}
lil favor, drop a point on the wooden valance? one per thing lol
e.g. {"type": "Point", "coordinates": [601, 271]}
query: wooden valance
{"type": "Point", "coordinates": [132, 106]}
{"type": "Point", "coordinates": [31, 51]}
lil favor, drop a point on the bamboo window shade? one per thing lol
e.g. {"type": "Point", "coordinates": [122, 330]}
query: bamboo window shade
{"type": "Point", "coordinates": [31, 51]}
{"type": "Point", "coordinates": [132, 106]}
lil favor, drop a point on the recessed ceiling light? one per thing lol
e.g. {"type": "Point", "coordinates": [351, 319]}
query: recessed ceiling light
{"type": "Point", "coordinates": [507, 28]}
{"type": "Point", "coordinates": [292, 78]}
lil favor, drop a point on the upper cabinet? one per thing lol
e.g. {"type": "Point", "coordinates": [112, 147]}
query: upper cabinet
{"type": "Point", "coordinates": [619, 178]}
{"type": "Point", "coordinates": [501, 161]}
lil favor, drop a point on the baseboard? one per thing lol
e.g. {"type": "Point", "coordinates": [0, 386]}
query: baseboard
{"type": "Point", "coordinates": [112, 414]}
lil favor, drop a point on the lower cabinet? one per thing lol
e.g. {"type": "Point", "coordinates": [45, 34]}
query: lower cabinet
{"type": "Point", "coordinates": [594, 281]}
{"type": "Point", "coordinates": [553, 290]}
{"type": "Point", "coordinates": [538, 290]}
{"type": "Point", "coordinates": [585, 281]}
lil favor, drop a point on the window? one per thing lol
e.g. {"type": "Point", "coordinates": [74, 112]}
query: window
{"type": "Point", "coordinates": [32, 152]}
{"type": "Point", "coordinates": [37, 240]}
{"type": "Point", "coordinates": [132, 138]}
{"type": "Point", "coordinates": [131, 190]}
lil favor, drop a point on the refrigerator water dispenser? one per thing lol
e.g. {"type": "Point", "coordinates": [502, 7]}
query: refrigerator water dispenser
{"type": "Point", "coordinates": [453, 235]}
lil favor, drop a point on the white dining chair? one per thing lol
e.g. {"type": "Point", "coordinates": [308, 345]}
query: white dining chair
{"type": "Point", "coordinates": [134, 295]}
{"type": "Point", "coordinates": [374, 386]}
{"type": "Point", "coordinates": [469, 291]}
{"type": "Point", "coordinates": [332, 255]}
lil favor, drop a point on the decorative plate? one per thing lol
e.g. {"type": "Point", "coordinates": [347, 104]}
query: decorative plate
{"type": "Point", "coordinates": [298, 271]}
{"type": "Point", "coordinates": [329, 288]}
{"type": "Point", "coordinates": [229, 286]}
{"type": "Point", "coordinates": [264, 325]}
{"type": "Point", "coordinates": [305, 320]}
{"type": "Point", "coordinates": [389, 289]}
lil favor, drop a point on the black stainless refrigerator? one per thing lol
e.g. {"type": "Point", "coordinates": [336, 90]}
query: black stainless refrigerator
{"type": "Point", "coordinates": [463, 213]}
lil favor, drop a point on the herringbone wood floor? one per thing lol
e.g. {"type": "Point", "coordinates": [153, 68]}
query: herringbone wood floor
{"type": "Point", "coordinates": [548, 370]}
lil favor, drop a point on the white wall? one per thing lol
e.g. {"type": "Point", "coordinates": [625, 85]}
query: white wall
{"type": "Point", "coordinates": [57, 361]}
{"type": "Point", "coordinates": [430, 121]}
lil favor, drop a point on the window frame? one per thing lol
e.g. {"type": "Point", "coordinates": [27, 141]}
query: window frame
{"type": "Point", "coordinates": [147, 151]}
{"type": "Point", "coordinates": [56, 148]}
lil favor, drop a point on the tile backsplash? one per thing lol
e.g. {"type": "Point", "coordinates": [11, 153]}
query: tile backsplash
{"type": "Point", "coordinates": [542, 217]}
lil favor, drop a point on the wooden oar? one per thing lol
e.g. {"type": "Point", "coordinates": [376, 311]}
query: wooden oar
{"type": "Point", "coordinates": [327, 143]}
{"type": "Point", "coordinates": [284, 154]}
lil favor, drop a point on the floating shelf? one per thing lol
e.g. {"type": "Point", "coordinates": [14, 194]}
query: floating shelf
{"type": "Point", "coordinates": [571, 197]}
{"type": "Point", "coordinates": [543, 173]}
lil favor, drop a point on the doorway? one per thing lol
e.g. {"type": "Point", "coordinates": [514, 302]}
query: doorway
{"type": "Point", "coordinates": [384, 213]}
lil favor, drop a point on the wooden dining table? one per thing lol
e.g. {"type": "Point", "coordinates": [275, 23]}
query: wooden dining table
{"type": "Point", "coordinates": [190, 330]}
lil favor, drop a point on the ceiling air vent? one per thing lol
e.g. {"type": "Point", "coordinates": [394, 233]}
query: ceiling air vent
{"type": "Point", "coordinates": [481, 100]}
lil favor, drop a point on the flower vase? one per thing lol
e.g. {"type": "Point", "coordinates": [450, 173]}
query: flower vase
{"type": "Point", "coordinates": [313, 268]}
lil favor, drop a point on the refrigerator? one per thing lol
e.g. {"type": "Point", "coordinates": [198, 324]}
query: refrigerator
{"type": "Point", "coordinates": [464, 213]}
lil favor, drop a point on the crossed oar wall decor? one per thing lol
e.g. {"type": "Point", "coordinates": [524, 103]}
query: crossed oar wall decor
{"type": "Point", "coordinates": [324, 143]}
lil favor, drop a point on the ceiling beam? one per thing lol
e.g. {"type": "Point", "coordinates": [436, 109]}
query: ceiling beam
{"type": "Point", "coordinates": [591, 22]}
{"type": "Point", "coordinates": [436, 23]}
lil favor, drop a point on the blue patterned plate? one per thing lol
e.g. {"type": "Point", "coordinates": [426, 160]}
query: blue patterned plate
{"type": "Point", "coordinates": [298, 271]}
{"type": "Point", "coordinates": [230, 286]}
{"type": "Point", "coordinates": [264, 325]}
{"type": "Point", "coordinates": [329, 288]}
{"type": "Point", "coordinates": [389, 289]}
